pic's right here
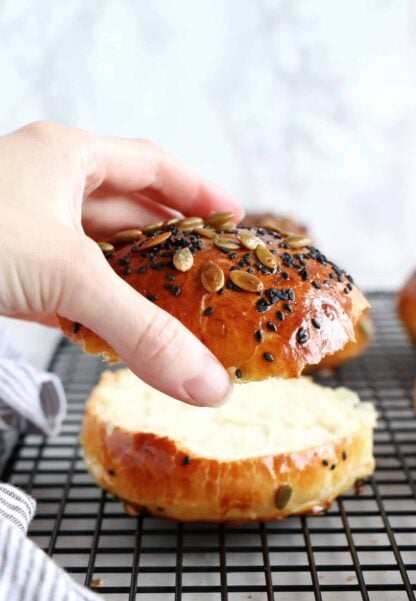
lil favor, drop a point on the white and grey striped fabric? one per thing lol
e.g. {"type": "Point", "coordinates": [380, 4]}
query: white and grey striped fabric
{"type": "Point", "coordinates": [30, 400]}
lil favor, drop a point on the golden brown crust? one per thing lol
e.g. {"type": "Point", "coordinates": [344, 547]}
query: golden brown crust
{"type": "Point", "coordinates": [363, 331]}
{"type": "Point", "coordinates": [151, 472]}
{"type": "Point", "coordinates": [307, 309]}
{"type": "Point", "coordinates": [406, 306]}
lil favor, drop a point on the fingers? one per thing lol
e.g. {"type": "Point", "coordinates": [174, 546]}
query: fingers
{"type": "Point", "coordinates": [129, 166]}
{"type": "Point", "coordinates": [103, 215]}
{"type": "Point", "coordinates": [45, 319]}
{"type": "Point", "coordinates": [152, 343]}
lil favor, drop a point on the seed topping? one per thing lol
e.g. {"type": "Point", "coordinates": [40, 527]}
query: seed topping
{"type": "Point", "coordinates": [283, 495]}
{"type": "Point", "coordinates": [268, 357]}
{"type": "Point", "coordinates": [209, 311]}
{"type": "Point", "coordinates": [106, 247]}
{"type": "Point", "coordinates": [227, 243]}
{"type": "Point", "coordinates": [158, 239]}
{"type": "Point", "coordinates": [294, 241]}
{"type": "Point", "coordinates": [266, 257]}
{"type": "Point", "coordinates": [212, 277]}
{"type": "Point", "coordinates": [246, 281]}
{"type": "Point", "coordinates": [183, 259]}
{"type": "Point", "coordinates": [249, 240]}
{"type": "Point", "coordinates": [127, 236]}
{"type": "Point", "coordinates": [153, 226]}
{"type": "Point", "coordinates": [205, 232]}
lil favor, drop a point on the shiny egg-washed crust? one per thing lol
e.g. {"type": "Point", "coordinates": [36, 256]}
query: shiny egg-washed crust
{"type": "Point", "coordinates": [307, 309]}
{"type": "Point", "coordinates": [364, 333]}
{"type": "Point", "coordinates": [152, 473]}
{"type": "Point", "coordinates": [363, 329]}
{"type": "Point", "coordinates": [406, 306]}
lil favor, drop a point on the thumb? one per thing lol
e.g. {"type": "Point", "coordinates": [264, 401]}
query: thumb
{"type": "Point", "coordinates": [153, 344]}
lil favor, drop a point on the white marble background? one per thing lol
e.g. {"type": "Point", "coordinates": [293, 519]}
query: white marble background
{"type": "Point", "coordinates": [303, 106]}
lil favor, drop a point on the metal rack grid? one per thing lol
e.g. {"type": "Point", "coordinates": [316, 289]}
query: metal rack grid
{"type": "Point", "coordinates": [363, 548]}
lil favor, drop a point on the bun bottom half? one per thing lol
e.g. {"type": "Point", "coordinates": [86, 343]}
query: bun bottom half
{"type": "Point", "coordinates": [159, 455]}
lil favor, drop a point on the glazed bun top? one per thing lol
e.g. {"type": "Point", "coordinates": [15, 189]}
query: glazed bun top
{"type": "Point", "coordinates": [265, 302]}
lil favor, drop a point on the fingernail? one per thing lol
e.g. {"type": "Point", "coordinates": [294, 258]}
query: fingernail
{"type": "Point", "coordinates": [212, 387]}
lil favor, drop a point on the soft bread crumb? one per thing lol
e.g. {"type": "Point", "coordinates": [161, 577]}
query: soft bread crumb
{"type": "Point", "coordinates": [269, 417]}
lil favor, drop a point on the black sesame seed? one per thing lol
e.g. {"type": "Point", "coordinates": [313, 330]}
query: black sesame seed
{"type": "Point", "coordinates": [349, 278]}
{"type": "Point", "coordinates": [220, 291]}
{"type": "Point", "coordinates": [250, 271]}
{"type": "Point", "coordinates": [268, 357]}
{"type": "Point", "coordinates": [127, 270]}
{"type": "Point", "coordinates": [111, 472]}
{"type": "Point", "coordinates": [224, 250]}
{"type": "Point", "coordinates": [333, 466]}
{"type": "Point", "coordinates": [124, 261]}
{"type": "Point", "coordinates": [316, 323]}
{"type": "Point", "coordinates": [349, 286]}
{"type": "Point", "coordinates": [233, 255]}
{"type": "Point", "coordinates": [259, 336]}
{"type": "Point", "coordinates": [76, 327]}
{"type": "Point", "coordinates": [238, 373]}
{"type": "Point", "coordinates": [316, 285]}
{"type": "Point", "coordinates": [244, 263]}
{"type": "Point", "coordinates": [209, 311]}
{"type": "Point", "coordinates": [174, 290]}
{"type": "Point", "coordinates": [327, 282]}
{"type": "Point", "coordinates": [346, 290]}
{"type": "Point", "coordinates": [247, 257]}
{"type": "Point", "coordinates": [280, 315]}
{"type": "Point", "coordinates": [232, 286]}
{"type": "Point", "coordinates": [285, 275]}
{"type": "Point", "coordinates": [287, 307]}
{"type": "Point", "coordinates": [171, 277]}
{"type": "Point", "coordinates": [332, 275]}
{"type": "Point", "coordinates": [271, 326]}
{"type": "Point", "coordinates": [325, 462]}
{"type": "Point", "coordinates": [344, 455]}
{"type": "Point", "coordinates": [152, 297]}
{"type": "Point", "coordinates": [142, 269]}
{"type": "Point", "coordinates": [186, 460]}
{"type": "Point", "coordinates": [234, 268]}
{"type": "Point", "coordinates": [262, 305]}
{"type": "Point", "coordinates": [304, 274]}
{"type": "Point", "coordinates": [302, 336]}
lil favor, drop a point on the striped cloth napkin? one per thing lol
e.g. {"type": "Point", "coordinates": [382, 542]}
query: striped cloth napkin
{"type": "Point", "coordinates": [30, 400]}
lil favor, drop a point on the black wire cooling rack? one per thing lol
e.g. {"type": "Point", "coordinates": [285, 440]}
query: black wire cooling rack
{"type": "Point", "coordinates": [363, 548]}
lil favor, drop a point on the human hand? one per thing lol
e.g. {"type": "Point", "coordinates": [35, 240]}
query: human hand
{"type": "Point", "coordinates": [60, 188]}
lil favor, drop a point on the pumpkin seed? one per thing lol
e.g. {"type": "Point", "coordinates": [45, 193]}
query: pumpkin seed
{"type": "Point", "coordinates": [206, 232]}
{"type": "Point", "coordinates": [282, 496]}
{"type": "Point", "coordinates": [153, 226]}
{"type": "Point", "coordinates": [159, 239]}
{"type": "Point", "coordinates": [295, 241]}
{"type": "Point", "coordinates": [249, 240]}
{"type": "Point", "coordinates": [172, 221]}
{"type": "Point", "coordinates": [228, 243]}
{"type": "Point", "coordinates": [227, 227]}
{"type": "Point", "coordinates": [106, 247]}
{"type": "Point", "coordinates": [266, 257]}
{"type": "Point", "coordinates": [183, 259]}
{"type": "Point", "coordinates": [246, 281]}
{"type": "Point", "coordinates": [212, 277]}
{"type": "Point", "coordinates": [217, 218]}
{"type": "Point", "coordinates": [279, 230]}
{"type": "Point", "coordinates": [189, 223]}
{"type": "Point", "coordinates": [126, 236]}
